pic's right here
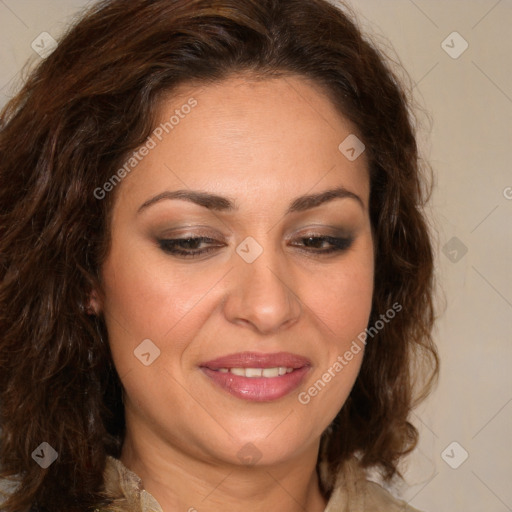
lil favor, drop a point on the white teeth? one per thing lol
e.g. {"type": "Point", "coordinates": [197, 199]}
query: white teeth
{"type": "Point", "coordinates": [270, 372]}
{"type": "Point", "coordinates": [253, 372]}
{"type": "Point", "coordinates": [257, 372]}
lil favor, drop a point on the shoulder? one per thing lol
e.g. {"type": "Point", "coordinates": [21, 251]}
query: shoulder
{"type": "Point", "coordinates": [352, 491]}
{"type": "Point", "coordinates": [124, 489]}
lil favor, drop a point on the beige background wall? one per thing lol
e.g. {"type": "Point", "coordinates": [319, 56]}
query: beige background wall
{"type": "Point", "coordinates": [469, 99]}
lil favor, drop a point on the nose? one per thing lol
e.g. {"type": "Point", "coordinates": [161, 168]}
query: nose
{"type": "Point", "coordinates": [261, 295]}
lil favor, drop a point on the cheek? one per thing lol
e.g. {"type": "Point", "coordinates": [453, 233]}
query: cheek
{"type": "Point", "coordinates": [342, 298]}
{"type": "Point", "coordinates": [147, 295]}
{"type": "Point", "coordinates": [343, 304]}
{"type": "Point", "coordinates": [148, 298]}
{"type": "Point", "coordinates": [345, 300]}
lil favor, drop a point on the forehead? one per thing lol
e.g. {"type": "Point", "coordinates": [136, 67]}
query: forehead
{"type": "Point", "coordinates": [254, 137]}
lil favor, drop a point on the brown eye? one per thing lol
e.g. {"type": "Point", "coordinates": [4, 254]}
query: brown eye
{"type": "Point", "coordinates": [188, 247]}
{"type": "Point", "coordinates": [325, 244]}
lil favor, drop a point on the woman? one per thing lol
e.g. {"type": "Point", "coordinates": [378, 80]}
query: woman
{"type": "Point", "coordinates": [216, 273]}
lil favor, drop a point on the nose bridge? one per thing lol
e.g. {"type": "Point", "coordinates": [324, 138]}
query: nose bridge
{"type": "Point", "coordinates": [262, 291]}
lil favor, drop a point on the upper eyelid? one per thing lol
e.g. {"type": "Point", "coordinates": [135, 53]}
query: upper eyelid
{"type": "Point", "coordinates": [319, 229]}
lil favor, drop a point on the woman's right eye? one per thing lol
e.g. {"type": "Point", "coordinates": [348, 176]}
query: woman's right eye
{"type": "Point", "coordinates": [188, 247]}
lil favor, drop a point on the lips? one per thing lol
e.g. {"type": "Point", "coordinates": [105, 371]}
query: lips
{"type": "Point", "coordinates": [258, 360]}
{"type": "Point", "coordinates": [256, 376]}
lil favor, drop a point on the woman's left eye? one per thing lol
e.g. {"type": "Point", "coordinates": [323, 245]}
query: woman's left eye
{"type": "Point", "coordinates": [317, 244]}
{"type": "Point", "coordinates": [191, 247]}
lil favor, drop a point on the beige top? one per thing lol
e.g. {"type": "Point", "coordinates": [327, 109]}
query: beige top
{"type": "Point", "coordinates": [352, 492]}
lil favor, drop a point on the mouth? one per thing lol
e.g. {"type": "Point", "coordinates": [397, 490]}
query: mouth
{"type": "Point", "coordinates": [252, 373]}
{"type": "Point", "coordinates": [257, 377]}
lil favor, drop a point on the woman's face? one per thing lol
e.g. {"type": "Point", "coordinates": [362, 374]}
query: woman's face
{"type": "Point", "coordinates": [221, 341]}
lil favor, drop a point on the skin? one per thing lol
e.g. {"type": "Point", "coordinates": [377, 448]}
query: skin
{"type": "Point", "coordinates": [261, 144]}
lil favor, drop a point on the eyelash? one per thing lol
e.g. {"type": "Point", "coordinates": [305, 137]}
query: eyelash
{"type": "Point", "coordinates": [169, 245]}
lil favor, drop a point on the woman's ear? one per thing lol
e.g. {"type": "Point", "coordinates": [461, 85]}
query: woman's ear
{"type": "Point", "coordinates": [94, 305]}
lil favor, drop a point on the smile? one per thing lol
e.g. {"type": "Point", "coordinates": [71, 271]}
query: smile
{"type": "Point", "coordinates": [257, 377]}
{"type": "Point", "coordinates": [257, 372]}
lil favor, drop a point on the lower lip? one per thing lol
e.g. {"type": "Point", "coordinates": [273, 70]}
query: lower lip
{"type": "Point", "coordinates": [258, 389]}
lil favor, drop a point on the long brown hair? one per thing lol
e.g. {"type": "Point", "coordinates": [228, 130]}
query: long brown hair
{"type": "Point", "coordinates": [91, 103]}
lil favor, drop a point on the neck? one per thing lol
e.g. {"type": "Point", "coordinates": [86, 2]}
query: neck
{"type": "Point", "coordinates": [179, 481]}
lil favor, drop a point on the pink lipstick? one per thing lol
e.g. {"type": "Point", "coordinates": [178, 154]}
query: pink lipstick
{"type": "Point", "coordinates": [257, 376]}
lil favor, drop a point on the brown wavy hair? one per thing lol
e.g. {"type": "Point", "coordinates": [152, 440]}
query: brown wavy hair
{"type": "Point", "coordinates": [91, 103]}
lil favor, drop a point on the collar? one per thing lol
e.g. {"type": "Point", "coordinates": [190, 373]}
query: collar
{"type": "Point", "coordinates": [126, 489]}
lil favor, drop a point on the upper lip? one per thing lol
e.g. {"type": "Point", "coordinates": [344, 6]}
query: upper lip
{"type": "Point", "coordinates": [258, 360]}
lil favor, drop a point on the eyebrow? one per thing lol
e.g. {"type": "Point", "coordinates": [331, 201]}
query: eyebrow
{"type": "Point", "coordinates": [220, 203]}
